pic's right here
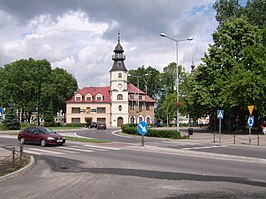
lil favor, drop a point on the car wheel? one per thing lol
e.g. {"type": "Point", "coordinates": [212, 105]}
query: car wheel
{"type": "Point", "coordinates": [22, 141]}
{"type": "Point", "coordinates": [43, 143]}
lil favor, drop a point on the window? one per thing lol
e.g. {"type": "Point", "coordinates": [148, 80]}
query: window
{"type": "Point", "coordinates": [101, 110]}
{"type": "Point", "coordinates": [119, 97]}
{"type": "Point", "coordinates": [89, 98]}
{"type": "Point", "coordinates": [131, 106]}
{"type": "Point", "coordinates": [99, 97]}
{"type": "Point", "coordinates": [75, 110]}
{"type": "Point", "coordinates": [75, 120]}
{"type": "Point", "coordinates": [140, 97]}
{"type": "Point", "coordinates": [148, 107]}
{"type": "Point", "coordinates": [78, 98]}
{"type": "Point", "coordinates": [120, 108]}
{"type": "Point", "coordinates": [120, 74]}
{"type": "Point", "coordinates": [131, 96]}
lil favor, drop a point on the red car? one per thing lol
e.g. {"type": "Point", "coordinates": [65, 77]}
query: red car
{"type": "Point", "coordinates": [40, 135]}
{"type": "Point", "coordinates": [101, 126]}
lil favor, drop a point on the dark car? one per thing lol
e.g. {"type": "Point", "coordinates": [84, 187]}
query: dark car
{"type": "Point", "coordinates": [40, 135]}
{"type": "Point", "coordinates": [101, 126]}
{"type": "Point", "coordinates": [158, 124]}
{"type": "Point", "coordinates": [92, 125]}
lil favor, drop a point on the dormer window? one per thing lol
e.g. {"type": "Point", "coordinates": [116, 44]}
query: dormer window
{"type": "Point", "coordinates": [99, 97]}
{"type": "Point", "coordinates": [78, 97]}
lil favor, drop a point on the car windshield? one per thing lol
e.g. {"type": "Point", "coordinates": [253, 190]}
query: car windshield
{"type": "Point", "coordinates": [46, 131]}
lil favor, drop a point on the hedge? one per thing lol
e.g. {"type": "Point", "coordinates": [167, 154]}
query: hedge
{"type": "Point", "coordinates": [132, 129]}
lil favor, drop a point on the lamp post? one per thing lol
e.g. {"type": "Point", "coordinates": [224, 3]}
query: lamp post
{"type": "Point", "coordinates": [138, 76]}
{"type": "Point", "coordinates": [177, 75]}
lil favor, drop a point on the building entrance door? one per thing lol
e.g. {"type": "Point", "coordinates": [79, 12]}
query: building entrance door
{"type": "Point", "coordinates": [119, 121]}
{"type": "Point", "coordinates": [88, 121]}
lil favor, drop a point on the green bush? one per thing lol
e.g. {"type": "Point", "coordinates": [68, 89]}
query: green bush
{"type": "Point", "coordinates": [26, 125]}
{"type": "Point", "coordinates": [132, 130]}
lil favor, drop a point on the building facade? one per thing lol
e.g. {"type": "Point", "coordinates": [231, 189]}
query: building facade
{"type": "Point", "coordinates": [115, 105]}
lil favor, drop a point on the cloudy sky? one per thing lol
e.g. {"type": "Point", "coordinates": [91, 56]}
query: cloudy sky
{"type": "Point", "coordinates": [80, 35]}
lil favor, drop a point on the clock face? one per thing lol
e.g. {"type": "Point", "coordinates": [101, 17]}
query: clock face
{"type": "Point", "coordinates": [120, 86]}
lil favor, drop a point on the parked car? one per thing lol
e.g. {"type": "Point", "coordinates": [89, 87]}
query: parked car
{"type": "Point", "coordinates": [101, 126]}
{"type": "Point", "coordinates": [158, 124]}
{"type": "Point", "coordinates": [92, 125]}
{"type": "Point", "coordinates": [40, 135]}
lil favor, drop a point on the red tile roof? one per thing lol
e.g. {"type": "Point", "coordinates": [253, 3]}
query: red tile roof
{"type": "Point", "coordinates": [93, 91]}
{"type": "Point", "coordinates": [105, 91]}
{"type": "Point", "coordinates": [135, 90]}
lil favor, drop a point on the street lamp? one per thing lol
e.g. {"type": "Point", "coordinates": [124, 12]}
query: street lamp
{"type": "Point", "coordinates": [177, 78]}
{"type": "Point", "coordinates": [138, 76]}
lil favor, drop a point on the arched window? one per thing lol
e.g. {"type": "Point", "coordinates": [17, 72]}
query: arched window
{"type": "Point", "coordinates": [120, 108]}
{"type": "Point", "coordinates": [119, 75]}
{"type": "Point", "coordinates": [119, 97]}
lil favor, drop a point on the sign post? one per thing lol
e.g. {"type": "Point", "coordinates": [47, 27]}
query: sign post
{"type": "Point", "coordinates": [142, 129]}
{"type": "Point", "coordinates": [250, 124]}
{"type": "Point", "coordinates": [1, 113]}
{"type": "Point", "coordinates": [220, 116]}
{"type": "Point", "coordinates": [250, 121]}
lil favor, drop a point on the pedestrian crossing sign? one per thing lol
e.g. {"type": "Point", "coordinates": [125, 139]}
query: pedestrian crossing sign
{"type": "Point", "coordinates": [220, 114]}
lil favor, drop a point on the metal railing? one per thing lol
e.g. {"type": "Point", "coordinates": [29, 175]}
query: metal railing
{"type": "Point", "coordinates": [14, 161]}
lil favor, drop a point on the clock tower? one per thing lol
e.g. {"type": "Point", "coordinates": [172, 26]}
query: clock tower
{"type": "Point", "coordinates": [118, 88]}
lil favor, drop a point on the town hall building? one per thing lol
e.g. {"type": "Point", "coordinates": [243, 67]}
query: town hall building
{"type": "Point", "coordinates": [117, 104]}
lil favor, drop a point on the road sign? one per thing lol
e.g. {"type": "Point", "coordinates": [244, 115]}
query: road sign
{"type": "Point", "coordinates": [220, 114]}
{"type": "Point", "coordinates": [250, 108]}
{"type": "Point", "coordinates": [142, 128]}
{"type": "Point", "coordinates": [251, 121]}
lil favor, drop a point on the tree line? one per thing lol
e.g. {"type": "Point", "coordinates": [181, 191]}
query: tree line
{"type": "Point", "coordinates": [33, 86]}
{"type": "Point", "coordinates": [230, 77]}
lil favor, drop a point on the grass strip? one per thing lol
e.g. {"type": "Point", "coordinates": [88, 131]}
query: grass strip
{"type": "Point", "coordinates": [86, 139]}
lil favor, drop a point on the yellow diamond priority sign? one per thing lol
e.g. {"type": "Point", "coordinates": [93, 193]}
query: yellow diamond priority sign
{"type": "Point", "coordinates": [250, 108]}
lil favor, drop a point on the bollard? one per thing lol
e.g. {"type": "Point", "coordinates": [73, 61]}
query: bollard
{"type": "Point", "coordinates": [234, 139]}
{"type": "Point", "coordinates": [20, 153]}
{"type": "Point", "coordinates": [258, 140]}
{"type": "Point", "coordinates": [13, 157]}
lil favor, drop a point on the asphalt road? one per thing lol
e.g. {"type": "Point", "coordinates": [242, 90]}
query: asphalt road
{"type": "Point", "coordinates": [124, 170]}
{"type": "Point", "coordinates": [243, 151]}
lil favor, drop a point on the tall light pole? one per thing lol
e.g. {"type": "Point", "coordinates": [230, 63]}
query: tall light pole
{"type": "Point", "coordinates": [177, 75]}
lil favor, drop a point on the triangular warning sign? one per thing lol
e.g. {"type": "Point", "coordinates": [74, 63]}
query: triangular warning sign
{"type": "Point", "coordinates": [250, 108]}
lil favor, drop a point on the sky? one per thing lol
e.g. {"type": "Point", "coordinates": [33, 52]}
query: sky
{"type": "Point", "coordinates": [80, 35]}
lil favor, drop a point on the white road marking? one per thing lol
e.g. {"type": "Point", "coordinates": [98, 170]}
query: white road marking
{"type": "Point", "coordinates": [90, 148]}
{"type": "Point", "coordinates": [74, 149]}
{"type": "Point", "coordinates": [102, 147]}
{"type": "Point", "coordinates": [46, 151]}
{"type": "Point", "coordinates": [203, 147]}
{"type": "Point", "coordinates": [31, 152]}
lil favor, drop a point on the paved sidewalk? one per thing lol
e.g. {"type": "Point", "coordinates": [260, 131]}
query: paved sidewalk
{"type": "Point", "coordinates": [203, 135]}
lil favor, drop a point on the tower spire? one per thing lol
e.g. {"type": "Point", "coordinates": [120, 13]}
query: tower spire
{"type": "Point", "coordinates": [118, 39]}
{"type": "Point", "coordinates": [192, 66]}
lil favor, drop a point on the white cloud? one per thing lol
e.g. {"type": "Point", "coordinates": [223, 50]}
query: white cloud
{"type": "Point", "coordinates": [81, 38]}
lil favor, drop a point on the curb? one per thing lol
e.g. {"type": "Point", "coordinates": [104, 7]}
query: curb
{"type": "Point", "coordinates": [19, 172]}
